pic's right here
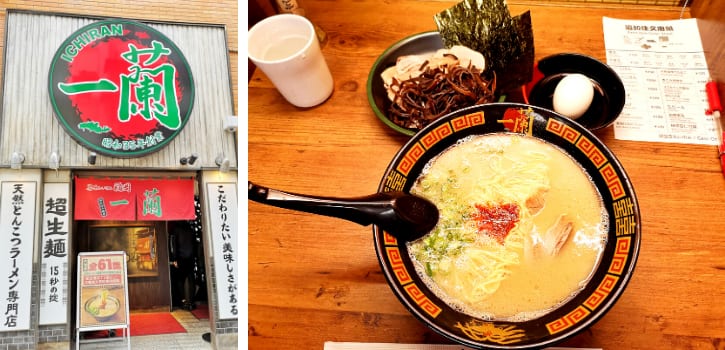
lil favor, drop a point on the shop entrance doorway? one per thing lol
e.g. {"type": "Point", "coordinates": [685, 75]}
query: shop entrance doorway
{"type": "Point", "coordinates": [146, 257]}
{"type": "Point", "coordinates": [157, 223]}
{"type": "Point", "coordinates": [186, 264]}
{"type": "Point", "coordinates": [165, 260]}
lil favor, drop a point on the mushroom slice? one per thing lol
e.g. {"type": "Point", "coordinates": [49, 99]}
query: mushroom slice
{"type": "Point", "coordinates": [469, 57]}
{"type": "Point", "coordinates": [444, 57]}
{"type": "Point", "coordinates": [388, 76]}
{"type": "Point", "coordinates": [532, 247]}
{"type": "Point", "coordinates": [537, 201]}
{"type": "Point", "coordinates": [406, 67]}
{"type": "Point", "coordinates": [557, 235]}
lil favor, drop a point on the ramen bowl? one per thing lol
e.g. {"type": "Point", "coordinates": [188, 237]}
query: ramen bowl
{"type": "Point", "coordinates": [607, 276]}
{"type": "Point", "coordinates": [105, 313]}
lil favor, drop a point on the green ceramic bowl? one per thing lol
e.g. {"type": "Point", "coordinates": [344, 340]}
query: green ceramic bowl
{"type": "Point", "coordinates": [426, 42]}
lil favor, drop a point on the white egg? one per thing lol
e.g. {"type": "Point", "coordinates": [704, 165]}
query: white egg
{"type": "Point", "coordinates": [573, 95]}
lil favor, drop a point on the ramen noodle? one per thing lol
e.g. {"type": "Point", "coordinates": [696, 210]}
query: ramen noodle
{"type": "Point", "coordinates": [521, 227]}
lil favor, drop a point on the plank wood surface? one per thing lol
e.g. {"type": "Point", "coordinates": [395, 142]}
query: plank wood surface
{"type": "Point", "coordinates": [314, 279]}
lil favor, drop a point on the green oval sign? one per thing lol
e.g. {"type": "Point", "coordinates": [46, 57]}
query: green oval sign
{"type": "Point", "coordinates": [121, 88]}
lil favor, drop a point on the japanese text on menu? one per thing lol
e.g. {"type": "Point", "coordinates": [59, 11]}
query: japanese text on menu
{"type": "Point", "coordinates": [663, 68]}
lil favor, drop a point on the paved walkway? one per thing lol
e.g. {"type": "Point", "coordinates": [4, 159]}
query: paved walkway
{"type": "Point", "coordinates": [177, 341]}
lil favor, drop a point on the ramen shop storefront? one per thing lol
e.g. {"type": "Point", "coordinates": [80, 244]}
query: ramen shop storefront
{"type": "Point", "coordinates": [117, 137]}
{"type": "Point", "coordinates": [141, 218]}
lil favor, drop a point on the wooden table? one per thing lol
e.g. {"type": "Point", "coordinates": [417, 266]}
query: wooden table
{"type": "Point", "coordinates": [314, 279]}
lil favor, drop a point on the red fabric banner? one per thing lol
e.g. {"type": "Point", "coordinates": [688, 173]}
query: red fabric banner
{"type": "Point", "coordinates": [104, 199]}
{"type": "Point", "coordinates": [165, 200]}
{"type": "Point", "coordinates": [132, 199]}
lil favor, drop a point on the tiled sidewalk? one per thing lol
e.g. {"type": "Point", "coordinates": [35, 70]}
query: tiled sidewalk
{"type": "Point", "coordinates": [177, 341]}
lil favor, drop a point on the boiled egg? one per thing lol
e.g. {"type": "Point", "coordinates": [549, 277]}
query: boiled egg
{"type": "Point", "coordinates": [573, 95]}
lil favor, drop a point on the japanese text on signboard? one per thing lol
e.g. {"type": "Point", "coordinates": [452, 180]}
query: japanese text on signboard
{"type": "Point", "coordinates": [17, 216]}
{"type": "Point", "coordinates": [223, 208]}
{"type": "Point", "coordinates": [54, 269]}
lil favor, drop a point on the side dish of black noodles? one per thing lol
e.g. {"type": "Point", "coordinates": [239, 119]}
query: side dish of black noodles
{"type": "Point", "coordinates": [423, 88]}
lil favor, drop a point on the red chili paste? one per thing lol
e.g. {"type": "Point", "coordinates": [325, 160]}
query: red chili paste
{"type": "Point", "coordinates": [496, 220]}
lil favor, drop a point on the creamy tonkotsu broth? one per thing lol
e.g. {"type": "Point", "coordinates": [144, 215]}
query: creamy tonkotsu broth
{"type": "Point", "coordinates": [521, 227]}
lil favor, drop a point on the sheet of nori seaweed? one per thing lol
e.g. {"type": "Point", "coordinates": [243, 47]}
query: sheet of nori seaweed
{"type": "Point", "coordinates": [519, 70]}
{"type": "Point", "coordinates": [486, 26]}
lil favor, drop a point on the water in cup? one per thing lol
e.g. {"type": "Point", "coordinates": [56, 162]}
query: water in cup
{"type": "Point", "coordinates": [285, 47]}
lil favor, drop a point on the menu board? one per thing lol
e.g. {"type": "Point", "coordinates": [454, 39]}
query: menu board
{"type": "Point", "coordinates": [102, 290]}
{"type": "Point", "coordinates": [663, 68]}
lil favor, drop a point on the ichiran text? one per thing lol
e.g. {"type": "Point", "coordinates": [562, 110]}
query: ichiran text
{"type": "Point", "coordinates": [88, 37]}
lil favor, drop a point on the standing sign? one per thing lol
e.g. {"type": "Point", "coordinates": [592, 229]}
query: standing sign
{"type": "Point", "coordinates": [102, 294]}
{"type": "Point", "coordinates": [17, 218]}
{"type": "Point", "coordinates": [121, 88]}
{"type": "Point", "coordinates": [54, 266]}
{"type": "Point", "coordinates": [222, 198]}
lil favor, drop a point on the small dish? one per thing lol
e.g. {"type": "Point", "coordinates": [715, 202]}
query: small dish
{"type": "Point", "coordinates": [609, 96]}
{"type": "Point", "coordinates": [421, 43]}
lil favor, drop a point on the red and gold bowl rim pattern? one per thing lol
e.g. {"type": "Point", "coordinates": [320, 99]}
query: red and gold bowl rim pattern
{"type": "Point", "coordinates": [611, 275]}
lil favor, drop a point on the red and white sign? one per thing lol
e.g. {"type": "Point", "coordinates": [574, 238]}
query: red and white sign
{"type": "Point", "coordinates": [134, 199]}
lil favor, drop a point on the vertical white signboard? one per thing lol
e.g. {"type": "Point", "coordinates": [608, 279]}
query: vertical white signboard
{"type": "Point", "coordinates": [54, 254]}
{"type": "Point", "coordinates": [222, 201]}
{"type": "Point", "coordinates": [17, 219]}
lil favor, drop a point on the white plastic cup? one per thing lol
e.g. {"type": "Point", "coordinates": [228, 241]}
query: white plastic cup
{"type": "Point", "coordinates": [286, 49]}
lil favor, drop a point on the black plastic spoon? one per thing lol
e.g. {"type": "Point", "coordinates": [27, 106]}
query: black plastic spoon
{"type": "Point", "coordinates": [405, 216]}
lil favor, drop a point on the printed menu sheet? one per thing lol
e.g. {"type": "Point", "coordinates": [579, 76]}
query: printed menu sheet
{"type": "Point", "coordinates": [663, 68]}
